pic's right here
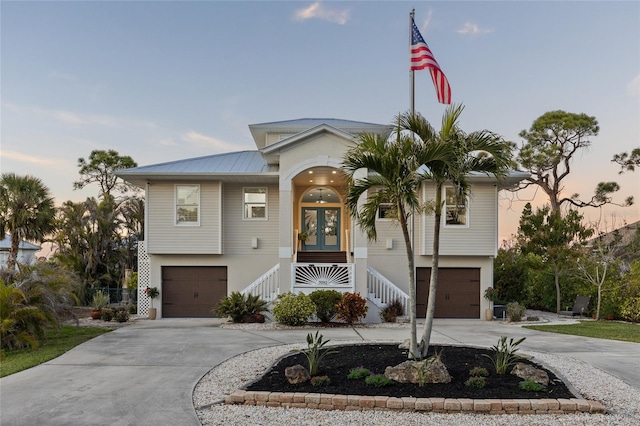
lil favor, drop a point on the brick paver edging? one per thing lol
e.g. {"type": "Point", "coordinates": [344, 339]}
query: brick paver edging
{"type": "Point", "coordinates": [326, 401]}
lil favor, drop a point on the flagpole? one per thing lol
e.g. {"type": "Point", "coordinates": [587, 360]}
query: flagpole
{"type": "Point", "coordinates": [413, 81]}
{"type": "Point", "coordinates": [413, 213]}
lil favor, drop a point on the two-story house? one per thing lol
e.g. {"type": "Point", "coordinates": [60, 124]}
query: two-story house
{"type": "Point", "coordinates": [232, 221]}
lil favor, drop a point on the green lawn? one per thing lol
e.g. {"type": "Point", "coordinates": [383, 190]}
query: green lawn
{"type": "Point", "coordinates": [56, 343]}
{"type": "Point", "coordinates": [611, 330]}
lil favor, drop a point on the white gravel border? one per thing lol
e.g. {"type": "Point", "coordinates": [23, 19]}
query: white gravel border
{"type": "Point", "coordinates": [621, 400]}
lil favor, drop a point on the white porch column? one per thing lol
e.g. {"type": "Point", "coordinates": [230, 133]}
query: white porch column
{"type": "Point", "coordinates": [360, 244]}
{"type": "Point", "coordinates": [286, 235]}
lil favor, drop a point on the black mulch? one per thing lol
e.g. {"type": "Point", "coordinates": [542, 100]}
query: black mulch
{"type": "Point", "coordinates": [376, 357]}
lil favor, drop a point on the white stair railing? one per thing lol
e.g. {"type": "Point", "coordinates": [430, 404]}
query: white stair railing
{"type": "Point", "coordinates": [384, 291]}
{"type": "Point", "coordinates": [267, 286]}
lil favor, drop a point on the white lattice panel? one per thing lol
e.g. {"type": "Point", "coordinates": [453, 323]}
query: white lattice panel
{"type": "Point", "coordinates": [144, 278]}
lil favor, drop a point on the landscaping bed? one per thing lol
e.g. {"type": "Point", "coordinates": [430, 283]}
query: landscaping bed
{"type": "Point", "coordinates": [376, 357]}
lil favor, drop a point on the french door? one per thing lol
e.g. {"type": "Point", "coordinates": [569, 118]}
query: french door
{"type": "Point", "coordinates": [322, 224]}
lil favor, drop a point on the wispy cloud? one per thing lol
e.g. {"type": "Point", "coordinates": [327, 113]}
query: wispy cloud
{"type": "Point", "coordinates": [80, 119]}
{"type": "Point", "coordinates": [633, 88]}
{"type": "Point", "coordinates": [473, 30]}
{"type": "Point", "coordinates": [205, 141]}
{"type": "Point", "coordinates": [24, 158]}
{"type": "Point", "coordinates": [319, 11]}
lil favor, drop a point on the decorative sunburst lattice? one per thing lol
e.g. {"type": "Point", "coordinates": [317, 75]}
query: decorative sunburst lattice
{"type": "Point", "coordinates": [323, 275]}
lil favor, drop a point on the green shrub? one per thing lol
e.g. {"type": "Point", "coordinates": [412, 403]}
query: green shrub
{"type": "Point", "coordinates": [133, 309]}
{"type": "Point", "coordinates": [325, 301]}
{"type": "Point", "coordinates": [238, 306]}
{"type": "Point", "coordinates": [378, 380]}
{"type": "Point", "coordinates": [293, 309]}
{"type": "Point", "coordinates": [392, 311]}
{"type": "Point", "coordinates": [21, 325]}
{"type": "Point", "coordinates": [630, 309]}
{"type": "Point", "coordinates": [100, 300]}
{"type": "Point", "coordinates": [351, 307]}
{"type": "Point", "coordinates": [476, 382]}
{"type": "Point", "coordinates": [107, 314]}
{"type": "Point", "coordinates": [121, 314]}
{"type": "Point", "coordinates": [320, 381]}
{"type": "Point", "coordinates": [358, 373]}
{"type": "Point", "coordinates": [315, 352]}
{"type": "Point", "coordinates": [515, 311]}
{"type": "Point", "coordinates": [531, 386]}
{"type": "Point", "coordinates": [504, 354]}
{"type": "Point", "coordinates": [479, 371]}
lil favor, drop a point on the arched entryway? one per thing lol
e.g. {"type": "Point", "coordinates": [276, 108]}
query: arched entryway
{"type": "Point", "coordinates": [321, 219]}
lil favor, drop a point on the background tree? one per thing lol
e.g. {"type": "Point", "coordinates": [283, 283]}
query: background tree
{"type": "Point", "coordinates": [628, 162]}
{"type": "Point", "coordinates": [550, 145]}
{"type": "Point", "coordinates": [556, 239]}
{"type": "Point", "coordinates": [512, 276]}
{"type": "Point", "coordinates": [89, 241]}
{"type": "Point", "coordinates": [33, 299]}
{"type": "Point", "coordinates": [595, 264]}
{"type": "Point", "coordinates": [482, 152]}
{"type": "Point", "coordinates": [101, 169]}
{"type": "Point", "coordinates": [26, 211]}
{"type": "Point", "coordinates": [392, 161]}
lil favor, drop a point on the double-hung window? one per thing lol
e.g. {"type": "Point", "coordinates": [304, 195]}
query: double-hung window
{"type": "Point", "coordinates": [255, 203]}
{"type": "Point", "coordinates": [455, 208]}
{"type": "Point", "coordinates": [187, 204]}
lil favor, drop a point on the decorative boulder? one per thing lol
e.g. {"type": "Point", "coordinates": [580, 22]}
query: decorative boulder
{"type": "Point", "coordinates": [528, 372]}
{"type": "Point", "coordinates": [409, 372]}
{"type": "Point", "coordinates": [296, 374]}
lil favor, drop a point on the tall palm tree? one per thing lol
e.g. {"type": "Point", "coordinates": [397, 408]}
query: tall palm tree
{"type": "Point", "coordinates": [26, 211]}
{"type": "Point", "coordinates": [393, 162]}
{"type": "Point", "coordinates": [477, 152]}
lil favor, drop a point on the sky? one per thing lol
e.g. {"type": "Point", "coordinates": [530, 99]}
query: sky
{"type": "Point", "coordinates": [162, 81]}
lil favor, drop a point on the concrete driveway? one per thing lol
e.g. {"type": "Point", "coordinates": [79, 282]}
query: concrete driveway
{"type": "Point", "coordinates": [144, 374]}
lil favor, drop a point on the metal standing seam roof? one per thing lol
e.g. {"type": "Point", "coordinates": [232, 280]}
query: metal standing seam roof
{"type": "Point", "coordinates": [5, 244]}
{"type": "Point", "coordinates": [242, 162]}
{"type": "Point", "coordinates": [307, 123]}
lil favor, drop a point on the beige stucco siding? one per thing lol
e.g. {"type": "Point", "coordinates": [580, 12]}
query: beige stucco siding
{"type": "Point", "coordinates": [396, 270]}
{"type": "Point", "coordinates": [164, 236]}
{"type": "Point", "coordinates": [479, 238]}
{"type": "Point", "coordinates": [325, 144]}
{"type": "Point", "coordinates": [242, 270]}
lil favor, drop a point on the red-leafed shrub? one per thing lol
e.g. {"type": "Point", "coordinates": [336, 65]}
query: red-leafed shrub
{"type": "Point", "coordinates": [351, 307]}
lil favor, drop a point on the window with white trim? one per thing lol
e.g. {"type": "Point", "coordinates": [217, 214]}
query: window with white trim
{"type": "Point", "coordinates": [455, 208]}
{"type": "Point", "coordinates": [386, 211]}
{"type": "Point", "coordinates": [187, 204]}
{"type": "Point", "coordinates": [255, 203]}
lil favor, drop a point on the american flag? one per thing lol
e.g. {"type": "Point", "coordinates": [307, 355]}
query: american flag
{"type": "Point", "coordinates": [421, 58]}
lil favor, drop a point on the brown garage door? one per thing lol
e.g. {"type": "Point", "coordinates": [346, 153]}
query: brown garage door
{"type": "Point", "coordinates": [192, 291]}
{"type": "Point", "coordinates": [458, 294]}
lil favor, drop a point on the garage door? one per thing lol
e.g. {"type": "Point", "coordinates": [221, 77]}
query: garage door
{"type": "Point", "coordinates": [192, 291]}
{"type": "Point", "coordinates": [458, 294]}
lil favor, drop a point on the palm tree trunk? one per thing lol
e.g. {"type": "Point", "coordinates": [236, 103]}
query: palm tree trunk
{"type": "Point", "coordinates": [413, 344]}
{"type": "Point", "coordinates": [13, 252]}
{"type": "Point", "coordinates": [556, 276]}
{"type": "Point", "coordinates": [433, 283]}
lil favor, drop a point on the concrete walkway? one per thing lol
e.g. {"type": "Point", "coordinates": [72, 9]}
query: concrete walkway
{"type": "Point", "coordinates": [144, 374]}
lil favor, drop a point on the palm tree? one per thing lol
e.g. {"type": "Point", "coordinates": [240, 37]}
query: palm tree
{"type": "Point", "coordinates": [393, 161]}
{"type": "Point", "coordinates": [479, 152]}
{"type": "Point", "coordinates": [26, 211]}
